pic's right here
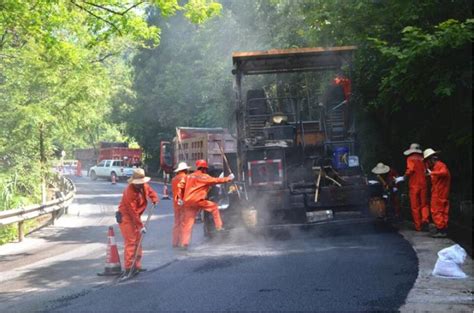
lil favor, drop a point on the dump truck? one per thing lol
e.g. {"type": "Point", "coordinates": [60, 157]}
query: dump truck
{"type": "Point", "coordinates": [193, 143]}
{"type": "Point", "coordinates": [297, 155]}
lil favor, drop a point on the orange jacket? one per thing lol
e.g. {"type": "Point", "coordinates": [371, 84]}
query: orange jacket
{"type": "Point", "coordinates": [196, 186]}
{"type": "Point", "coordinates": [177, 193]}
{"type": "Point", "coordinates": [416, 171]}
{"type": "Point", "coordinates": [134, 203]}
{"type": "Point", "coordinates": [440, 181]}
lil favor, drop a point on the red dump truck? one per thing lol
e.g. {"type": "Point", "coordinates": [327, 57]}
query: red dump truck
{"type": "Point", "coordinates": [109, 151]}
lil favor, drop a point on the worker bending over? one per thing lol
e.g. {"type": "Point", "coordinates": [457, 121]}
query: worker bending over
{"type": "Point", "coordinates": [194, 189]}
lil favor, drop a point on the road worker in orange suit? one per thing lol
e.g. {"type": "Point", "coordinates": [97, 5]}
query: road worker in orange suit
{"type": "Point", "coordinates": [181, 172]}
{"type": "Point", "coordinates": [131, 207]}
{"type": "Point", "coordinates": [440, 186]}
{"type": "Point", "coordinates": [417, 188]}
{"type": "Point", "coordinates": [194, 189]}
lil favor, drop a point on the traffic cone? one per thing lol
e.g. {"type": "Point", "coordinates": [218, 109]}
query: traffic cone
{"type": "Point", "coordinates": [78, 169]}
{"type": "Point", "coordinates": [112, 258]}
{"type": "Point", "coordinates": [113, 179]}
{"type": "Point", "coordinates": [166, 196]}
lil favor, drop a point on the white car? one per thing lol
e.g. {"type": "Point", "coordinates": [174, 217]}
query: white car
{"type": "Point", "coordinates": [110, 168]}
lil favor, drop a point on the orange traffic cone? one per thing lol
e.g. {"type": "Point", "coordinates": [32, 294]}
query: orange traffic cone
{"type": "Point", "coordinates": [166, 196]}
{"type": "Point", "coordinates": [113, 178]}
{"type": "Point", "coordinates": [112, 258]}
{"type": "Point", "coordinates": [78, 169]}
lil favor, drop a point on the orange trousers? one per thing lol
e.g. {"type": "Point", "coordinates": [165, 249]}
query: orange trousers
{"type": "Point", "coordinates": [178, 221]}
{"type": "Point", "coordinates": [419, 207]}
{"type": "Point", "coordinates": [131, 236]}
{"type": "Point", "coordinates": [440, 212]}
{"type": "Point", "coordinates": [190, 215]}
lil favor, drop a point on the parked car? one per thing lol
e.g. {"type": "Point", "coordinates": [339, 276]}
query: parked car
{"type": "Point", "coordinates": [110, 168]}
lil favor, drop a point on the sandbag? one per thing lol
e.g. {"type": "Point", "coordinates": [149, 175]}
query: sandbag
{"type": "Point", "coordinates": [449, 261]}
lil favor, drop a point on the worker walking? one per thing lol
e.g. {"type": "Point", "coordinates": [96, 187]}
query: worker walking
{"type": "Point", "coordinates": [440, 186]}
{"type": "Point", "coordinates": [417, 188]}
{"type": "Point", "coordinates": [387, 177]}
{"type": "Point", "coordinates": [194, 189]}
{"type": "Point", "coordinates": [181, 172]}
{"type": "Point", "coordinates": [133, 204]}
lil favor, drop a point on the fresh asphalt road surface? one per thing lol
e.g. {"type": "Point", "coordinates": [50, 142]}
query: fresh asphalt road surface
{"type": "Point", "coordinates": [331, 267]}
{"type": "Point", "coordinates": [62, 261]}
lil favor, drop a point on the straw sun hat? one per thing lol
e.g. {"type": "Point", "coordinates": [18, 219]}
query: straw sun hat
{"type": "Point", "coordinates": [414, 148]}
{"type": "Point", "coordinates": [428, 153]}
{"type": "Point", "coordinates": [381, 169]}
{"type": "Point", "coordinates": [181, 167]}
{"type": "Point", "coordinates": [138, 177]}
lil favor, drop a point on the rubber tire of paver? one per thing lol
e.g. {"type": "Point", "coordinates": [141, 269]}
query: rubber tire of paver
{"type": "Point", "coordinates": [93, 176]}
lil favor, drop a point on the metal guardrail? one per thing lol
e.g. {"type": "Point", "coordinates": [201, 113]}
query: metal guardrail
{"type": "Point", "coordinates": [66, 193]}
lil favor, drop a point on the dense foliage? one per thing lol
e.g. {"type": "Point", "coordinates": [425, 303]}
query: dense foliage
{"type": "Point", "coordinates": [61, 63]}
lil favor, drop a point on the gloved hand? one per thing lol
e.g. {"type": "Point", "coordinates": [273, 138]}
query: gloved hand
{"type": "Point", "coordinates": [143, 230]}
{"type": "Point", "coordinates": [395, 189]}
{"type": "Point", "coordinates": [231, 176]}
{"type": "Point", "coordinates": [399, 179]}
{"type": "Point", "coordinates": [180, 202]}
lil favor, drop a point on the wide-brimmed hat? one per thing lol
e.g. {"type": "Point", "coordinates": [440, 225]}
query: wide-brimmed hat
{"type": "Point", "coordinates": [181, 167]}
{"type": "Point", "coordinates": [138, 177]}
{"type": "Point", "coordinates": [381, 169]}
{"type": "Point", "coordinates": [429, 152]}
{"type": "Point", "coordinates": [414, 148]}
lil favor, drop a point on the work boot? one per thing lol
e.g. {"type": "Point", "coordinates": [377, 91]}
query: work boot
{"type": "Point", "coordinates": [440, 233]}
{"type": "Point", "coordinates": [425, 227]}
{"type": "Point", "coordinates": [182, 247]}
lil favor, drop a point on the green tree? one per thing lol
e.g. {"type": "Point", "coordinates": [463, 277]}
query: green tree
{"type": "Point", "coordinates": [61, 63]}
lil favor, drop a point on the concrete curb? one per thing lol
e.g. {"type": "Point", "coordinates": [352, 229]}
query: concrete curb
{"type": "Point", "coordinates": [430, 293]}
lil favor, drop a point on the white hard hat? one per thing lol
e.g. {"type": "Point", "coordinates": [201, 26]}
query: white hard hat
{"type": "Point", "coordinates": [181, 167]}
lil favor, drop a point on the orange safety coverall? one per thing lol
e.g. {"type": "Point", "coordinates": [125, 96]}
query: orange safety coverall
{"type": "Point", "coordinates": [196, 187]}
{"type": "Point", "coordinates": [132, 206]}
{"type": "Point", "coordinates": [440, 185]}
{"type": "Point", "coordinates": [346, 85]}
{"type": "Point", "coordinates": [178, 210]}
{"type": "Point", "coordinates": [417, 190]}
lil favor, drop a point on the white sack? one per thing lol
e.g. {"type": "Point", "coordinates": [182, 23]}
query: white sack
{"type": "Point", "coordinates": [448, 262]}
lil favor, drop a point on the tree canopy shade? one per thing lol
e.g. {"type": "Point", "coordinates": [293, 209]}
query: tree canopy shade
{"type": "Point", "coordinates": [61, 63]}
